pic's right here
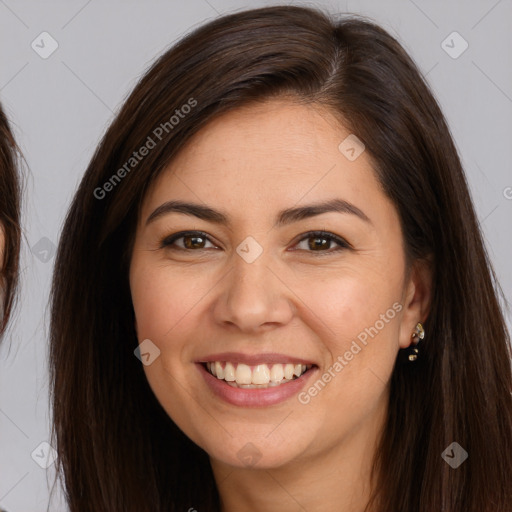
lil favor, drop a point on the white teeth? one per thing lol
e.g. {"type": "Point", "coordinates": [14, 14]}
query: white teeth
{"type": "Point", "coordinates": [277, 373]}
{"type": "Point", "coordinates": [243, 374]}
{"type": "Point", "coordinates": [229, 372]}
{"type": "Point", "coordinates": [261, 374]}
{"type": "Point", "coordinates": [257, 386]}
{"type": "Point", "coordinates": [288, 371]}
{"type": "Point", "coordinates": [219, 371]}
{"type": "Point", "coordinates": [258, 376]}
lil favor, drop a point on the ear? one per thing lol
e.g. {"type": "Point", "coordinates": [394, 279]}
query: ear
{"type": "Point", "coordinates": [416, 299]}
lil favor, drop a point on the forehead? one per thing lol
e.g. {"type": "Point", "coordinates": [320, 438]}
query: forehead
{"type": "Point", "coordinates": [282, 133]}
{"type": "Point", "coordinates": [273, 153]}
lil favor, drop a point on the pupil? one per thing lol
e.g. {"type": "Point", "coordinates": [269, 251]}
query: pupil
{"type": "Point", "coordinates": [189, 244]}
{"type": "Point", "coordinates": [322, 241]}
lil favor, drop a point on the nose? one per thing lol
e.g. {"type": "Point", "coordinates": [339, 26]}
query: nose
{"type": "Point", "coordinates": [253, 296]}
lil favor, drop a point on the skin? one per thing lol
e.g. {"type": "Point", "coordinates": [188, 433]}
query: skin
{"type": "Point", "coordinates": [294, 299]}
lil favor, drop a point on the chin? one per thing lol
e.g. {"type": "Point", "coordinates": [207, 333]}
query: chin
{"type": "Point", "coordinates": [248, 452]}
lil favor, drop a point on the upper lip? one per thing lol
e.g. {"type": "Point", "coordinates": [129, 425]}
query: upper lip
{"type": "Point", "coordinates": [254, 359]}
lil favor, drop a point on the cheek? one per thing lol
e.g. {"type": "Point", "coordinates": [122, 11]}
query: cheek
{"type": "Point", "coordinates": [352, 301]}
{"type": "Point", "coordinates": [163, 302]}
{"type": "Point", "coordinates": [161, 299]}
{"type": "Point", "coordinates": [360, 318]}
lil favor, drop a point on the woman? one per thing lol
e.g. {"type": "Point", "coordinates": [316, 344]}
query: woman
{"type": "Point", "coordinates": [274, 377]}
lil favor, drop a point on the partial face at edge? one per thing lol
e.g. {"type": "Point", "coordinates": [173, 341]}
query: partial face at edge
{"type": "Point", "coordinates": [305, 296]}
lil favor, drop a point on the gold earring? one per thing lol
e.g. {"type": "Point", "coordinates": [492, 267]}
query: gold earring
{"type": "Point", "coordinates": [416, 336]}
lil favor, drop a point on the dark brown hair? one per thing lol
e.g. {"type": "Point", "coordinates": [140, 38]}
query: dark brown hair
{"type": "Point", "coordinates": [118, 449]}
{"type": "Point", "coordinates": [10, 194]}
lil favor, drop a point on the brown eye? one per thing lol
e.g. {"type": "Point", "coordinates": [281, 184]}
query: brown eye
{"type": "Point", "coordinates": [321, 242]}
{"type": "Point", "coordinates": [191, 240]}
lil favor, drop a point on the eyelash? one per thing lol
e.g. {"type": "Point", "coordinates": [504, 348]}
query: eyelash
{"type": "Point", "coordinates": [168, 241]}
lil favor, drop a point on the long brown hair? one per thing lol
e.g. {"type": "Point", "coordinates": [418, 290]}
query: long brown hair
{"type": "Point", "coordinates": [118, 449]}
{"type": "Point", "coordinates": [10, 199]}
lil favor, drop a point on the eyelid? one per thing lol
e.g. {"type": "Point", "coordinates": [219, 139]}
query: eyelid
{"type": "Point", "coordinates": [167, 241]}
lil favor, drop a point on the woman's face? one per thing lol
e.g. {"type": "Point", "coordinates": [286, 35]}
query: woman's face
{"type": "Point", "coordinates": [256, 291]}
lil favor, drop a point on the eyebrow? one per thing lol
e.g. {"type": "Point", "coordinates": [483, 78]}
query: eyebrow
{"type": "Point", "coordinates": [284, 217]}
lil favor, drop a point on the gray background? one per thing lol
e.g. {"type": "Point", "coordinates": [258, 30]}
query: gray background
{"type": "Point", "coordinates": [60, 107]}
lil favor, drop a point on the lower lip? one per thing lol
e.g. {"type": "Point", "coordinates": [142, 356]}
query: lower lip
{"type": "Point", "coordinates": [247, 397]}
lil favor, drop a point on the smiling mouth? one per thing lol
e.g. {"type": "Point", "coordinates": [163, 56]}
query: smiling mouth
{"type": "Point", "coordinates": [240, 375]}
